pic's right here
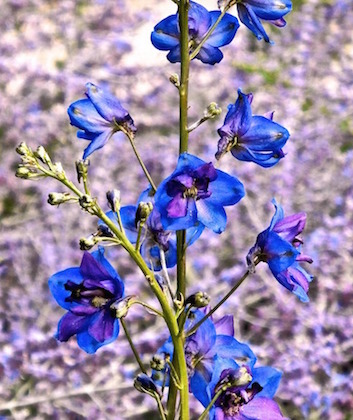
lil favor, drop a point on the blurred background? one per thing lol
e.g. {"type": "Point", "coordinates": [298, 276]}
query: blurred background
{"type": "Point", "coordinates": [49, 49]}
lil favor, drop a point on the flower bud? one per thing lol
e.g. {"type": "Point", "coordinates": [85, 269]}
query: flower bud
{"type": "Point", "coordinates": [86, 201]}
{"type": "Point", "coordinates": [145, 384]}
{"type": "Point", "coordinates": [25, 172]}
{"type": "Point", "coordinates": [113, 198]}
{"type": "Point", "coordinates": [55, 198]}
{"type": "Point", "coordinates": [158, 362]}
{"type": "Point", "coordinates": [198, 300]}
{"type": "Point", "coordinates": [174, 79]}
{"type": "Point", "coordinates": [42, 154]}
{"type": "Point", "coordinates": [230, 378]}
{"type": "Point", "coordinates": [120, 307]}
{"type": "Point", "coordinates": [88, 243]}
{"type": "Point", "coordinates": [23, 150]}
{"type": "Point", "coordinates": [142, 212]}
{"type": "Point", "coordinates": [82, 169]}
{"type": "Point", "coordinates": [213, 110]}
{"type": "Point", "coordinates": [58, 169]}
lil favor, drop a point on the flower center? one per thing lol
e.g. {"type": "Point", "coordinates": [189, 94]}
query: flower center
{"type": "Point", "coordinates": [91, 295]}
{"type": "Point", "coordinates": [190, 192]}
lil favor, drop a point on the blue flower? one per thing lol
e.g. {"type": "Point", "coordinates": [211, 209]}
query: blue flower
{"type": "Point", "coordinates": [247, 400]}
{"type": "Point", "coordinates": [251, 11]}
{"type": "Point", "coordinates": [154, 237]}
{"type": "Point", "coordinates": [251, 138]}
{"type": "Point", "coordinates": [196, 192]}
{"type": "Point", "coordinates": [98, 118]}
{"type": "Point", "coordinates": [87, 293]}
{"type": "Point", "coordinates": [279, 245]}
{"type": "Point", "coordinates": [166, 34]}
{"type": "Point", "coordinates": [210, 342]}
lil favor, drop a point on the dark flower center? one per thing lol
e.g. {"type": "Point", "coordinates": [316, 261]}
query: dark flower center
{"type": "Point", "coordinates": [233, 398]}
{"type": "Point", "coordinates": [88, 294]}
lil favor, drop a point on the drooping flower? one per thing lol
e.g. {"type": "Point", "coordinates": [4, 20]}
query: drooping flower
{"type": "Point", "coordinates": [251, 138]}
{"type": "Point", "coordinates": [87, 292]}
{"type": "Point", "coordinates": [196, 192]}
{"type": "Point", "coordinates": [251, 11]}
{"type": "Point", "coordinates": [98, 118]}
{"type": "Point", "coordinates": [210, 342]}
{"type": "Point", "coordinates": [243, 399]}
{"type": "Point", "coordinates": [166, 34]}
{"type": "Point", "coordinates": [280, 246]}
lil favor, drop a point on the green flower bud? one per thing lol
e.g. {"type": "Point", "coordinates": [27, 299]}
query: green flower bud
{"type": "Point", "coordinates": [42, 154]}
{"type": "Point", "coordinates": [145, 384]}
{"type": "Point", "coordinates": [198, 300]}
{"type": "Point", "coordinates": [88, 243]}
{"type": "Point", "coordinates": [82, 169]}
{"type": "Point", "coordinates": [158, 362]}
{"type": "Point", "coordinates": [142, 212]}
{"type": "Point", "coordinates": [113, 198]}
{"type": "Point", "coordinates": [213, 110]}
{"type": "Point", "coordinates": [55, 198]}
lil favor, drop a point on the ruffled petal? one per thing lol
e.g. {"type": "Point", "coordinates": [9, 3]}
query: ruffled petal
{"type": "Point", "coordinates": [269, 379]}
{"type": "Point", "coordinates": [209, 54]}
{"type": "Point", "coordinates": [71, 324]}
{"type": "Point", "coordinates": [226, 190]}
{"type": "Point", "coordinates": [211, 215]}
{"type": "Point", "coordinates": [270, 9]}
{"type": "Point", "coordinates": [84, 116]}
{"type": "Point", "coordinates": [90, 345]}
{"type": "Point", "coordinates": [166, 34]}
{"type": "Point", "coordinates": [57, 285]}
{"type": "Point", "coordinates": [97, 143]}
{"type": "Point", "coordinates": [249, 19]}
{"type": "Point", "coordinates": [260, 408]}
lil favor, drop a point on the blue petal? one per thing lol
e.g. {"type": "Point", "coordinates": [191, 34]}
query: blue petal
{"type": "Point", "coordinates": [71, 324]}
{"type": "Point", "coordinates": [199, 20]}
{"type": "Point", "coordinates": [280, 253]}
{"type": "Point", "coordinates": [166, 33]}
{"type": "Point", "coordinates": [270, 9]}
{"type": "Point", "coordinates": [57, 285]}
{"type": "Point", "coordinates": [225, 31]}
{"type": "Point", "coordinates": [211, 215]}
{"type": "Point", "coordinates": [226, 190]}
{"type": "Point", "coordinates": [193, 233]}
{"type": "Point", "coordinates": [84, 116]}
{"type": "Point", "coordinates": [279, 213]}
{"type": "Point", "coordinates": [174, 56]}
{"type": "Point", "coordinates": [209, 54]}
{"type": "Point", "coordinates": [106, 104]}
{"type": "Point", "coordinates": [269, 379]}
{"type": "Point", "coordinates": [264, 135]}
{"type": "Point", "coordinates": [228, 347]}
{"type": "Point", "coordinates": [187, 161]}
{"type": "Point", "coordinates": [97, 143]}
{"type": "Point", "coordinates": [264, 159]}
{"type": "Point", "coordinates": [90, 344]}
{"type": "Point", "coordinates": [249, 18]}
{"type": "Point", "coordinates": [198, 386]}
{"type": "Point", "coordinates": [127, 214]}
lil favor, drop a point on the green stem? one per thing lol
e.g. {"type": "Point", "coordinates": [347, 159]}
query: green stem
{"type": "Point", "coordinates": [133, 348]}
{"type": "Point", "coordinates": [160, 407]}
{"type": "Point", "coordinates": [147, 174]}
{"type": "Point", "coordinates": [150, 308]}
{"type": "Point", "coordinates": [214, 399]}
{"type": "Point", "coordinates": [138, 240]}
{"type": "Point", "coordinates": [208, 34]}
{"type": "Point", "coordinates": [181, 261]}
{"type": "Point", "coordinates": [213, 310]}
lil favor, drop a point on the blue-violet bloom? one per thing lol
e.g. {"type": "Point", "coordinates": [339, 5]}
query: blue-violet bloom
{"type": "Point", "coordinates": [251, 11]}
{"type": "Point", "coordinates": [166, 34]}
{"type": "Point", "coordinates": [87, 293]}
{"type": "Point", "coordinates": [251, 138]}
{"type": "Point", "coordinates": [280, 246]}
{"type": "Point", "coordinates": [196, 192]}
{"type": "Point", "coordinates": [245, 400]}
{"type": "Point", "coordinates": [98, 118]}
{"type": "Point", "coordinates": [211, 341]}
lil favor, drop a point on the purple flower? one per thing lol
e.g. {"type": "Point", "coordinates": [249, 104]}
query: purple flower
{"type": "Point", "coordinates": [210, 342]}
{"type": "Point", "coordinates": [88, 292]}
{"type": "Point", "coordinates": [98, 118]}
{"type": "Point", "coordinates": [196, 192]}
{"type": "Point", "coordinates": [280, 247]}
{"type": "Point", "coordinates": [166, 34]}
{"type": "Point", "coordinates": [251, 138]}
{"type": "Point", "coordinates": [251, 11]}
{"type": "Point", "coordinates": [245, 400]}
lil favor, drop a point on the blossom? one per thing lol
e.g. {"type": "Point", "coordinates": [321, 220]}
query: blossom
{"type": "Point", "coordinates": [166, 34]}
{"type": "Point", "coordinates": [196, 192]}
{"type": "Point", "coordinates": [245, 396]}
{"type": "Point", "coordinates": [98, 118]}
{"type": "Point", "coordinates": [87, 293]}
{"type": "Point", "coordinates": [251, 138]}
{"type": "Point", "coordinates": [210, 342]}
{"type": "Point", "coordinates": [251, 11]}
{"type": "Point", "coordinates": [280, 246]}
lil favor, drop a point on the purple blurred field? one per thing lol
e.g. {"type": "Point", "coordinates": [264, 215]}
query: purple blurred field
{"type": "Point", "coordinates": [49, 50]}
